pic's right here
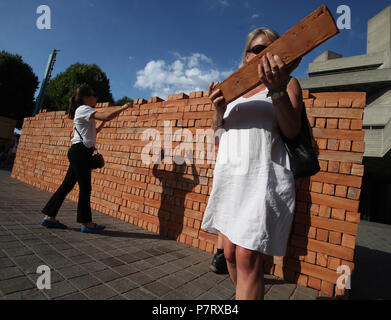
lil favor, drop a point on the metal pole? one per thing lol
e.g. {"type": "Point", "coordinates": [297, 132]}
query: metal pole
{"type": "Point", "coordinates": [48, 72]}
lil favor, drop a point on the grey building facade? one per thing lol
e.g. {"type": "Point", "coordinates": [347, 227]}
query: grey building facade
{"type": "Point", "coordinates": [371, 73]}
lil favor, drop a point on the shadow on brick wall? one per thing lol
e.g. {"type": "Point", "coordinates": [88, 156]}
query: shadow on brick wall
{"type": "Point", "coordinates": [171, 211]}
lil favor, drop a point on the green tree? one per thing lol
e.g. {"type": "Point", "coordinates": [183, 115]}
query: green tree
{"type": "Point", "coordinates": [122, 101]}
{"type": "Point", "coordinates": [63, 86]}
{"type": "Point", "coordinates": [18, 84]}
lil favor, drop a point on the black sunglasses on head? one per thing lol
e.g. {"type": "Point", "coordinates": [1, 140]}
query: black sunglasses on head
{"type": "Point", "coordinates": [257, 49]}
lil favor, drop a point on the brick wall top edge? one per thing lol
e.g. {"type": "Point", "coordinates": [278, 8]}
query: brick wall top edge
{"type": "Point", "coordinates": [347, 94]}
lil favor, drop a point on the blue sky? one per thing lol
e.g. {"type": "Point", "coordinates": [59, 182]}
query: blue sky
{"type": "Point", "coordinates": [159, 47]}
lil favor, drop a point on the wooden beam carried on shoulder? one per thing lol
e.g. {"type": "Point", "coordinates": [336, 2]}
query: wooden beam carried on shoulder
{"type": "Point", "coordinates": [308, 34]}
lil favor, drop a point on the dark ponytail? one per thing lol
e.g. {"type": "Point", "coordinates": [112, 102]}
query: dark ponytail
{"type": "Point", "coordinates": [77, 99]}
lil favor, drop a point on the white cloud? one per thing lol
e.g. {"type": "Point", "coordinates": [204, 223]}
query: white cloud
{"type": "Point", "coordinates": [255, 15]}
{"type": "Point", "coordinates": [186, 74]}
{"type": "Point", "coordinates": [223, 3]}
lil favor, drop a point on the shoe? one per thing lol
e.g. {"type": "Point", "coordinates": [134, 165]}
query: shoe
{"type": "Point", "coordinates": [219, 264]}
{"type": "Point", "coordinates": [53, 224]}
{"type": "Point", "coordinates": [96, 228]}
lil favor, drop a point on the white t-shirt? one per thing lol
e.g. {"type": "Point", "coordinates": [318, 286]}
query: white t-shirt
{"type": "Point", "coordinates": [85, 125]}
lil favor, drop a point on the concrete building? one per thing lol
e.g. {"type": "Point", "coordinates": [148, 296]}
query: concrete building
{"type": "Point", "coordinates": [371, 73]}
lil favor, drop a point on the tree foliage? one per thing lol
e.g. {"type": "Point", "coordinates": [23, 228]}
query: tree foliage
{"type": "Point", "coordinates": [18, 84]}
{"type": "Point", "coordinates": [63, 86]}
{"type": "Point", "coordinates": [122, 101]}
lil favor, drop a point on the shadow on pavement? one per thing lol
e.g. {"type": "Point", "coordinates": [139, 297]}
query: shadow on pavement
{"type": "Point", "coordinates": [371, 278]}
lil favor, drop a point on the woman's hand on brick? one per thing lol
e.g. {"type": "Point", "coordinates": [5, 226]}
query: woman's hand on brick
{"type": "Point", "coordinates": [217, 98]}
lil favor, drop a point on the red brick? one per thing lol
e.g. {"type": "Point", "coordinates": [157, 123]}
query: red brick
{"type": "Point", "coordinates": [314, 283]}
{"type": "Point", "coordinates": [310, 257]}
{"type": "Point", "coordinates": [321, 259]}
{"type": "Point", "coordinates": [338, 214]}
{"type": "Point", "coordinates": [348, 241]}
{"type": "Point", "coordinates": [322, 143]}
{"type": "Point", "coordinates": [324, 211]}
{"type": "Point", "coordinates": [344, 124]}
{"type": "Point", "coordinates": [354, 193]}
{"type": "Point", "coordinates": [340, 191]}
{"type": "Point", "coordinates": [333, 144]}
{"type": "Point", "coordinates": [328, 189]}
{"type": "Point", "coordinates": [345, 167]}
{"type": "Point", "coordinates": [345, 102]}
{"type": "Point", "coordinates": [333, 263]}
{"type": "Point", "coordinates": [357, 170]}
{"type": "Point", "coordinates": [316, 186]}
{"type": "Point", "coordinates": [327, 288]}
{"type": "Point", "coordinates": [322, 235]}
{"type": "Point", "coordinates": [320, 122]}
{"type": "Point", "coordinates": [335, 237]}
{"type": "Point", "coordinates": [345, 145]}
{"type": "Point", "coordinates": [358, 146]}
{"type": "Point", "coordinates": [356, 125]}
{"type": "Point", "coordinates": [332, 123]}
{"type": "Point", "coordinates": [333, 166]}
{"type": "Point", "coordinates": [353, 217]}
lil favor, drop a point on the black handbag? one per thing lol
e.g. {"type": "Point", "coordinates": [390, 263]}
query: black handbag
{"type": "Point", "coordinates": [97, 160]}
{"type": "Point", "coordinates": [303, 159]}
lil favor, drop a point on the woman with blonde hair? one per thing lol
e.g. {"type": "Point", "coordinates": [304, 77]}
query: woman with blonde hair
{"type": "Point", "coordinates": [252, 206]}
{"type": "Point", "coordinates": [81, 110]}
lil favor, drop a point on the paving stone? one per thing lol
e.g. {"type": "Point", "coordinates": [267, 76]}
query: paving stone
{"type": "Point", "coordinates": [74, 296]}
{"type": "Point", "coordinates": [208, 296]}
{"type": "Point", "coordinates": [176, 295]}
{"type": "Point", "coordinates": [60, 289]}
{"type": "Point", "coordinates": [101, 292]}
{"type": "Point", "coordinates": [140, 278]}
{"type": "Point", "coordinates": [9, 273]}
{"type": "Point", "coordinates": [6, 262]}
{"type": "Point", "coordinates": [85, 282]}
{"type": "Point", "coordinates": [73, 271]}
{"type": "Point", "coordinates": [222, 292]}
{"type": "Point", "coordinates": [156, 273]}
{"type": "Point", "coordinates": [122, 285]}
{"type": "Point", "coordinates": [81, 259]}
{"type": "Point", "coordinates": [125, 269]}
{"type": "Point", "coordinates": [94, 266]}
{"type": "Point", "coordinates": [139, 294]}
{"type": "Point", "coordinates": [157, 288]}
{"type": "Point", "coordinates": [172, 281]}
{"type": "Point", "coordinates": [191, 290]}
{"type": "Point", "coordinates": [32, 294]}
{"type": "Point", "coordinates": [16, 284]}
{"type": "Point", "coordinates": [119, 297]}
{"type": "Point", "coordinates": [311, 293]}
{"type": "Point", "coordinates": [112, 262]}
{"type": "Point", "coordinates": [280, 292]}
{"type": "Point", "coordinates": [107, 275]}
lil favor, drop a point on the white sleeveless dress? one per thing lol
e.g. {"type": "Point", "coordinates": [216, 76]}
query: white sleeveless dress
{"type": "Point", "coordinates": [253, 193]}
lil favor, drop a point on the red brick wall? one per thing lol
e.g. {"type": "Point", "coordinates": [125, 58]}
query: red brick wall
{"type": "Point", "coordinates": [170, 200]}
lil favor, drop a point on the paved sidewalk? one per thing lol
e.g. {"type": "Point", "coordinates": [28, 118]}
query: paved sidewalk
{"type": "Point", "coordinates": [122, 262]}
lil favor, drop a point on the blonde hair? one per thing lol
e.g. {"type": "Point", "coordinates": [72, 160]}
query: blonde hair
{"type": "Point", "coordinates": [270, 33]}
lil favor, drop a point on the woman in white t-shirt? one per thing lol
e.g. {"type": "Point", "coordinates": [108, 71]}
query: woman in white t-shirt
{"type": "Point", "coordinates": [81, 110]}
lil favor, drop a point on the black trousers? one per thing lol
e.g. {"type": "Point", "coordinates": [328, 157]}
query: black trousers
{"type": "Point", "coordinates": [79, 171]}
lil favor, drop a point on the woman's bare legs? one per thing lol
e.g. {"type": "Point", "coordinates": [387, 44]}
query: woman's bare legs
{"type": "Point", "coordinates": [229, 253]}
{"type": "Point", "coordinates": [246, 270]}
{"type": "Point", "coordinates": [250, 276]}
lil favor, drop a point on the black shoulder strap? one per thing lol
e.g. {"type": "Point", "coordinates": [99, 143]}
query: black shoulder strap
{"type": "Point", "coordinates": [79, 133]}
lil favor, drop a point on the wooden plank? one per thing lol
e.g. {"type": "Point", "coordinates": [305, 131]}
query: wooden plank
{"type": "Point", "coordinates": [329, 201]}
{"type": "Point", "coordinates": [340, 113]}
{"type": "Point", "coordinates": [323, 247]}
{"type": "Point", "coordinates": [340, 156]}
{"type": "Point", "coordinates": [338, 179]}
{"type": "Point", "coordinates": [338, 134]}
{"type": "Point", "coordinates": [328, 224]}
{"type": "Point", "coordinates": [308, 34]}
